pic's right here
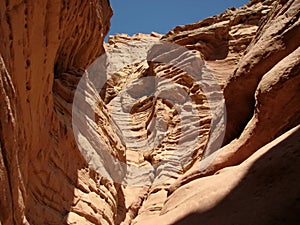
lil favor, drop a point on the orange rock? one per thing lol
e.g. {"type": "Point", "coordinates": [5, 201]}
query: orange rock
{"type": "Point", "coordinates": [253, 52]}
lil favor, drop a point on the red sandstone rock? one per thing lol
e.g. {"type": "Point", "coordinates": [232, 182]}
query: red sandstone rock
{"type": "Point", "coordinates": [253, 52]}
{"type": "Point", "coordinates": [44, 179]}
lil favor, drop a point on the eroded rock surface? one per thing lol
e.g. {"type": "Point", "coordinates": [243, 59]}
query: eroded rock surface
{"type": "Point", "coordinates": [45, 47]}
{"type": "Point", "coordinates": [254, 54]}
{"type": "Point", "coordinates": [261, 190]}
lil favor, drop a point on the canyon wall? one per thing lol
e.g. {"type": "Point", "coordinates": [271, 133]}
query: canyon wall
{"type": "Point", "coordinates": [45, 47]}
{"type": "Point", "coordinates": [253, 53]}
{"type": "Point", "coordinates": [262, 102]}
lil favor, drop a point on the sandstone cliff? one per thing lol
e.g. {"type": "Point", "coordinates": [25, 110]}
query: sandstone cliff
{"type": "Point", "coordinates": [45, 46]}
{"type": "Point", "coordinates": [254, 54]}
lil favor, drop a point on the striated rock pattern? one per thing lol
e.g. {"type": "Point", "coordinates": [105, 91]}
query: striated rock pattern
{"type": "Point", "coordinates": [162, 140]}
{"type": "Point", "coordinates": [264, 119]}
{"type": "Point", "coordinates": [222, 39]}
{"type": "Point", "coordinates": [262, 100]}
{"type": "Point", "coordinates": [240, 48]}
{"type": "Point", "coordinates": [45, 47]}
{"type": "Point", "coordinates": [254, 54]}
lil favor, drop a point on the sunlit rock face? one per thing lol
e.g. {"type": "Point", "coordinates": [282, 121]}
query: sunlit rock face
{"type": "Point", "coordinates": [252, 53]}
{"type": "Point", "coordinates": [261, 94]}
{"type": "Point", "coordinates": [164, 103]}
{"type": "Point", "coordinates": [196, 126]}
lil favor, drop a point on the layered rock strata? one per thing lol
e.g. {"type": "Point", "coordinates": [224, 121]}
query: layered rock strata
{"type": "Point", "coordinates": [253, 52]}
{"type": "Point", "coordinates": [49, 139]}
{"type": "Point", "coordinates": [45, 47]}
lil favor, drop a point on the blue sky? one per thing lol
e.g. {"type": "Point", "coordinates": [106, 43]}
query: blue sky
{"type": "Point", "coordinates": [145, 16]}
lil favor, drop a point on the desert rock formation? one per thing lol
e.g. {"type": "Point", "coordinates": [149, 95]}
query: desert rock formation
{"type": "Point", "coordinates": [45, 47]}
{"type": "Point", "coordinates": [254, 54]}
